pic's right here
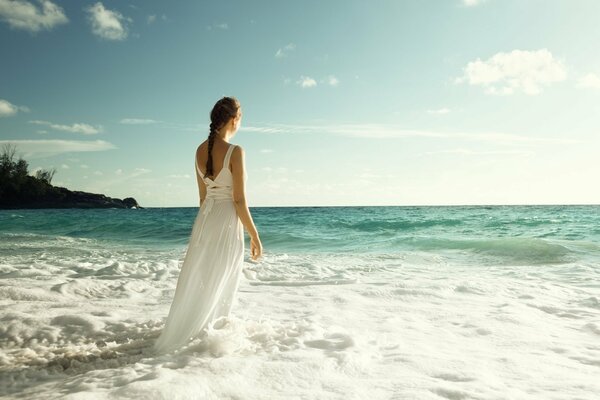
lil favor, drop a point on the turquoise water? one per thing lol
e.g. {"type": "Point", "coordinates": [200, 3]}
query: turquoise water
{"type": "Point", "coordinates": [528, 234]}
{"type": "Point", "coordinates": [485, 302]}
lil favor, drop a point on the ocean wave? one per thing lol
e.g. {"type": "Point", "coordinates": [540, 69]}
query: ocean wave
{"type": "Point", "coordinates": [375, 225]}
{"type": "Point", "coordinates": [523, 249]}
{"type": "Point", "coordinates": [517, 234]}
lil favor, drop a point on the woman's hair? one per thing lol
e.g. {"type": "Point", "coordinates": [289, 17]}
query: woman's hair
{"type": "Point", "coordinates": [223, 110]}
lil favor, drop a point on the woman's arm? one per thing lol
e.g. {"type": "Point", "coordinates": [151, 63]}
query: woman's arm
{"type": "Point", "coordinates": [201, 184]}
{"type": "Point", "coordinates": [238, 166]}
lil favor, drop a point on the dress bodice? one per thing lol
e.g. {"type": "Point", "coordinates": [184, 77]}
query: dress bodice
{"type": "Point", "coordinates": [221, 187]}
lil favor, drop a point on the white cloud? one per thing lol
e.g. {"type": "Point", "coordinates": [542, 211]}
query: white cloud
{"type": "Point", "coordinates": [99, 173]}
{"type": "Point", "coordinates": [472, 3]}
{"type": "Point", "coordinates": [151, 18]}
{"type": "Point", "coordinates": [138, 121]}
{"type": "Point", "coordinates": [217, 26]}
{"type": "Point", "coordinates": [385, 131]}
{"type": "Point", "coordinates": [333, 81]}
{"type": "Point", "coordinates": [443, 110]}
{"type": "Point", "coordinates": [84, 166]}
{"type": "Point", "coordinates": [75, 128]}
{"type": "Point", "coordinates": [468, 152]}
{"type": "Point", "coordinates": [283, 51]}
{"type": "Point", "coordinates": [590, 81]}
{"type": "Point", "coordinates": [119, 171]}
{"type": "Point", "coordinates": [8, 110]}
{"type": "Point", "coordinates": [264, 129]}
{"type": "Point", "coordinates": [107, 24]}
{"type": "Point", "coordinates": [368, 175]}
{"type": "Point", "coordinates": [179, 176]}
{"type": "Point", "coordinates": [65, 166]}
{"type": "Point", "coordinates": [306, 81]}
{"type": "Point", "coordinates": [44, 148]}
{"type": "Point", "coordinates": [21, 14]}
{"type": "Point", "coordinates": [506, 73]}
{"type": "Point", "coordinates": [137, 172]}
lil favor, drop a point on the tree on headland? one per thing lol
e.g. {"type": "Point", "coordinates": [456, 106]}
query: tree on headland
{"type": "Point", "coordinates": [7, 157]}
{"type": "Point", "coordinates": [19, 169]}
{"type": "Point", "coordinates": [8, 153]}
{"type": "Point", "coordinates": [18, 189]}
{"type": "Point", "coordinates": [16, 184]}
{"type": "Point", "coordinates": [45, 175]}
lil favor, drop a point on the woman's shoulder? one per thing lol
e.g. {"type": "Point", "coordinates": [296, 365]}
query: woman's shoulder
{"type": "Point", "coordinates": [237, 152]}
{"type": "Point", "coordinates": [201, 146]}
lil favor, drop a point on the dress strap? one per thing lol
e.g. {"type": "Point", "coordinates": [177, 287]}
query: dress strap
{"type": "Point", "coordinates": [225, 161]}
{"type": "Point", "coordinates": [228, 156]}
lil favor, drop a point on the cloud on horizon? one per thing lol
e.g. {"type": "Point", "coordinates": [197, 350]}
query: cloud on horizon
{"type": "Point", "coordinates": [75, 128]}
{"type": "Point", "coordinates": [46, 148]}
{"type": "Point", "coordinates": [383, 131]}
{"type": "Point", "coordinates": [468, 152]}
{"type": "Point", "coordinates": [138, 121]}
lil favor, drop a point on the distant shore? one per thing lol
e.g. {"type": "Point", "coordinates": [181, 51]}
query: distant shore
{"type": "Point", "coordinates": [18, 189]}
{"type": "Point", "coordinates": [60, 197]}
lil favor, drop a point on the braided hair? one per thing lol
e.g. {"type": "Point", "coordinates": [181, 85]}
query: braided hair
{"type": "Point", "coordinates": [223, 110]}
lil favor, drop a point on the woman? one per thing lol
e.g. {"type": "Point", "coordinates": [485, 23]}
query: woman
{"type": "Point", "coordinates": [211, 269]}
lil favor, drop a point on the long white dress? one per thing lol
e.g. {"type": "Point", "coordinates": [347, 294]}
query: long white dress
{"type": "Point", "coordinates": [212, 267]}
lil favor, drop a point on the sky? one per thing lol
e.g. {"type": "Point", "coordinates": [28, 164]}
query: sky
{"type": "Point", "coordinates": [455, 102]}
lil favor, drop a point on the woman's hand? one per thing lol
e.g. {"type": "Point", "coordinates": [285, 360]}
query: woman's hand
{"type": "Point", "coordinates": [255, 248]}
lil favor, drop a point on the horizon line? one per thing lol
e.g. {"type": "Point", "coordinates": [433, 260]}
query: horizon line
{"type": "Point", "coordinates": [404, 205]}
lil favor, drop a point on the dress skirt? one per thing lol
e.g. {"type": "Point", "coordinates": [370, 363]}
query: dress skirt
{"type": "Point", "coordinates": [210, 274]}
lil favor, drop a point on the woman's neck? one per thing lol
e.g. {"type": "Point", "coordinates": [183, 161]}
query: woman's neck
{"type": "Point", "coordinates": [224, 137]}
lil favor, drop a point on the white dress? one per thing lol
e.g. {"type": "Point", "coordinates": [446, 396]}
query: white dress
{"type": "Point", "coordinates": [212, 267]}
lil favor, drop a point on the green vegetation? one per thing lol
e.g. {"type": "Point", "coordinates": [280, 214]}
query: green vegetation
{"type": "Point", "coordinates": [16, 185]}
{"type": "Point", "coordinates": [18, 189]}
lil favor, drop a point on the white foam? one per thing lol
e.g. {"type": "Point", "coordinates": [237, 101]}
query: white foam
{"type": "Point", "coordinates": [411, 325]}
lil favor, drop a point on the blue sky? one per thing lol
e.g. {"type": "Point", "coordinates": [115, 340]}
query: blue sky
{"type": "Point", "coordinates": [345, 102]}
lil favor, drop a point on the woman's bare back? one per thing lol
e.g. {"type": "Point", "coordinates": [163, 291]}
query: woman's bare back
{"type": "Point", "coordinates": [218, 155]}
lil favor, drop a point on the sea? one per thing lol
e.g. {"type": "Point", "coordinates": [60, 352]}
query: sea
{"type": "Point", "coordinates": [407, 302]}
